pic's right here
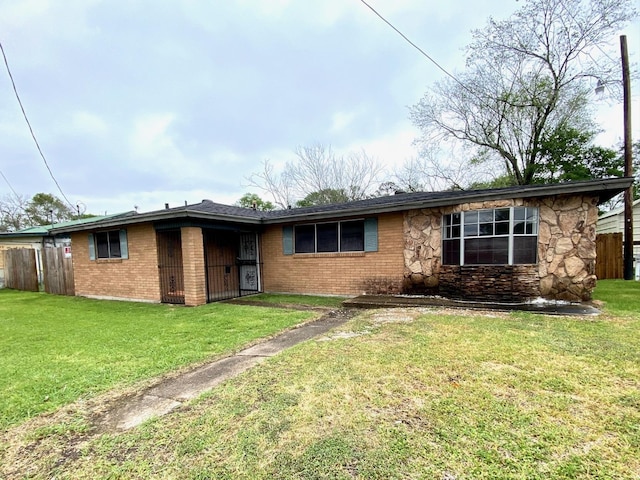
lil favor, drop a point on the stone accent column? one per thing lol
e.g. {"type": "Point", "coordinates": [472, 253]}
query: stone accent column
{"type": "Point", "coordinates": [422, 250]}
{"type": "Point", "coordinates": [567, 247]}
{"type": "Point", "coordinates": [195, 285]}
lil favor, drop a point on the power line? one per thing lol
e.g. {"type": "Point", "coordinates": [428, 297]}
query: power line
{"type": "Point", "coordinates": [413, 44]}
{"type": "Point", "coordinates": [5, 179]}
{"type": "Point", "coordinates": [15, 90]}
{"type": "Point", "coordinates": [464, 86]}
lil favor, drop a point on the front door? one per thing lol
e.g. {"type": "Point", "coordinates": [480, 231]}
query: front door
{"type": "Point", "coordinates": [221, 253]}
{"type": "Point", "coordinates": [248, 264]}
{"type": "Point", "coordinates": [231, 262]}
{"type": "Point", "coordinates": [170, 266]}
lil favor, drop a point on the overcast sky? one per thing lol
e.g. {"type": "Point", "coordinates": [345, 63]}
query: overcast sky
{"type": "Point", "coordinates": [142, 102]}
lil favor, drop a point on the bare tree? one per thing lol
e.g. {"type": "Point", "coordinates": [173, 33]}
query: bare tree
{"type": "Point", "coordinates": [12, 213]}
{"type": "Point", "coordinates": [317, 168]}
{"type": "Point", "coordinates": [443, 168]}
{"type": "Point", "coordinates": [524, 78]}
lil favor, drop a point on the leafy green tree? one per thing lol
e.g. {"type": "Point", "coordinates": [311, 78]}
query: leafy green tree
{"type": "Point", "coordinates": [568, 153]}
{"type": "Point", "coordinates": [253, 200]}
{"type": "Point", "coordinates": [524, 78]}
{"type": "Point", "coordinates": [323, 197]}
{"type": "Point", "coordinates": [498, 182]}
{"type": "Point", "coordinates": [45, 209]}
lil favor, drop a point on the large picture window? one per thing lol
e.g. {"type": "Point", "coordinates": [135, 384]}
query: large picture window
{"type": "Point", "coordinates": [501, 236]}
{"type": "Point", "coordinates": [345, 236]}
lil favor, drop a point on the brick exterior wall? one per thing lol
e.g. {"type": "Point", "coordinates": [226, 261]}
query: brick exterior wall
{"type": "Point", "coordinates": [135, 278]}
{"type": "Point", "coordinates": [350, 273]}
{"type": "Point", "coordinates": [195, 286]}
{"type": "Point", "coordinates": [408, 260]}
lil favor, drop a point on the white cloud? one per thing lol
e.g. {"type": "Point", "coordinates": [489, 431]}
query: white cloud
{"type": "Point", "coordinates": [342, 120]}
{"type": "Point", "coordinates": [150, 139]}
{"type": "Point", "coordinates": [89, 123]}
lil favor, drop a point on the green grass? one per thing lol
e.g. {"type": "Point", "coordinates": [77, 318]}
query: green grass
{"type": "Point", "coordinates": [436, 393]}
{"type": "Point", "coordinates": [621, 297]}
{"type": "Point", "coordinates": [55, 349]}
{"type": "Point", "coordinates": [292, 299]}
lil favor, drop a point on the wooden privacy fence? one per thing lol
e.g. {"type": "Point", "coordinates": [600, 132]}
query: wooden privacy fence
{"type": "Point", "coordinates": [609, 256]}
{"type": "Point", "coordinates": [58, 271]}
{"type": "Point", "coordinates": [20, 271]}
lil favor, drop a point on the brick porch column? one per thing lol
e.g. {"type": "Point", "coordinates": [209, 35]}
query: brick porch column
{"type": "Point", "coordinates": [195, 285]}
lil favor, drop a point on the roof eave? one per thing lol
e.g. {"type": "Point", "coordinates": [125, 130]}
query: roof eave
{"type": "Point", "coordinates": [158, 216]}
{"type": "Point", "coordinates": [605, 189]}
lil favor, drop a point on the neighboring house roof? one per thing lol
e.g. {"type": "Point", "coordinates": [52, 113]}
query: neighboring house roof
{"type": "Point", "coordinates": [208, 210]}
{"type": "Point", "coordinates": [617, 211]}
{"type": "Point", "coordinates": [46, 230]}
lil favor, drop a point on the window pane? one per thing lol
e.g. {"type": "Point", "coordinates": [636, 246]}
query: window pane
{"type": "Point", "coordinates": [470, 218]}
{"type": "Point", "coordinates": [327, 234]}
{"type": "Point", "coordinates": [102, 244]}
{"type": "Point", "coordinates": [485, 216]}
{"type": "Point", "coordinates": [519, 213]}
{"type": "Point", "coordinates": [446, 220]}
{"type": "Point", "coordinates": [304, 238]}
{"type": "Point", "coordinates": [451, 252]}
{"type": "Point", "coordinates": [114, 244]}
{"type": "Point", "coordinates": [518, 227]}
{"type": "Point", "coordinates": [502, 228]}
{"type": "Point", "coordinates": [502, 215]}
{"type": "Point", "coordinates": [525, 250]}
{"type": "Point", "coordinates": [471, 230]}
{"type": "Point", "coordinates": [455, 231]}
{"type": "Point", "coordinates": [352, 236]}
{"type": "Point", "coordinates": [486, 229]}
{"type": "Point", "coordinates": [480, 251]}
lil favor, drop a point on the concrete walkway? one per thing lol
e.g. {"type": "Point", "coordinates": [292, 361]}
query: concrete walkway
{"type": "Point", "coordinates": [171, 393]}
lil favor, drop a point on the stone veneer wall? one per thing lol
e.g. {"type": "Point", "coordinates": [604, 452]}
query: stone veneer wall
{"type": "Point", "coordinates": [566, 254]}
{"type": "Point", "coordinates": [567, 247]}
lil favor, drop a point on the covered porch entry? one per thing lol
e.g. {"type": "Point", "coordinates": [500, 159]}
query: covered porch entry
{"type": "Point", "coordinates": [204, 264]}
{"type": "Point", "coordinates": [231, 263]}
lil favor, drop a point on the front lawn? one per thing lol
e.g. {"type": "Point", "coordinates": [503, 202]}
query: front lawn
{"type": "Point", "coordinates": [56, 349]}
{"type": "Point", "coordinates": [430, 393]}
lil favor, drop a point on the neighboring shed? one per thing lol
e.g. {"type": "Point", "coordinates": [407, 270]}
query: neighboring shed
{"type": "Point", "coordinates": [613, 222]}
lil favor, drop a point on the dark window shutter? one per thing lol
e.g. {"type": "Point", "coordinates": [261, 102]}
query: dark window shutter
{"type": "Point", "coordinates": [287, 240]}
{"type": "Point", "coordinates": [124, 249]}
{"type": "Point", "coordinates": [92, 247]}
{"type": "Point", "coordinates": [371, 234]}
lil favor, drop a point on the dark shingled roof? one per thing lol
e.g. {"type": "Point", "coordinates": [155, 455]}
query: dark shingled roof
{"type": "Point", "coordinates": [217, 212]}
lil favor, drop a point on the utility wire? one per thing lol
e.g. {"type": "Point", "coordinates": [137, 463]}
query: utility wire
{"type": "Point", "coordinates": [465, 87]}
{"type": "Point", "coordinates": [5, 179]}
{"type": "Point", "coordinates": [413, 44]}
{"type": "Point", "coordinates": [15, 90]}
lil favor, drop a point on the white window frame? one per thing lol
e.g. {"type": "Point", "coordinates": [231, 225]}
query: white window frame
{"type": "Point", "coordinates": [510, 236]}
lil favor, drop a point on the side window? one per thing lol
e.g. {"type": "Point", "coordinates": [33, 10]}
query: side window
{"type": "Point", "coordinates": [110, 244]}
